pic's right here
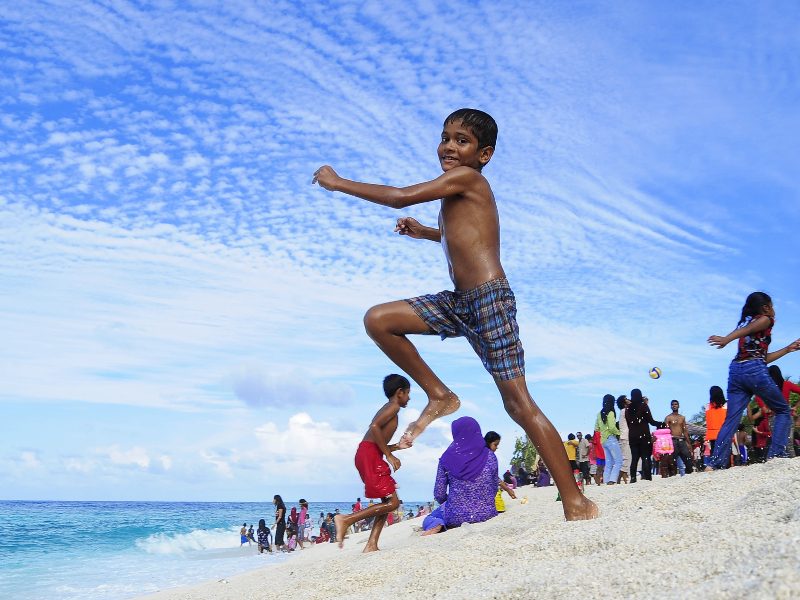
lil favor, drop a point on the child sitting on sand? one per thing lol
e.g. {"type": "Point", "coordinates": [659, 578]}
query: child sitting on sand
{"type": "Point", "coordinates": [375, 473]}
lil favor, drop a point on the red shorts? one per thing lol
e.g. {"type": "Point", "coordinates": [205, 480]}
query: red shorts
{"type": "Point", "coordinates": [374, 471]}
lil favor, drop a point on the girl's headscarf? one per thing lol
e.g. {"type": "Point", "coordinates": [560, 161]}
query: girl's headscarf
{"type": "Point", "coordinates": [608, 406]}
{"type": "Point", "coordinates": [466, 456]}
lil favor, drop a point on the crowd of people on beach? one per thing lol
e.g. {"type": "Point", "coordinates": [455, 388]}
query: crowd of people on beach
{"type": "Point", "coordinates": [298, 529]}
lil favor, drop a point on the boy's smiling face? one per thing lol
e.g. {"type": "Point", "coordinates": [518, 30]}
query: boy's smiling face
{"type": "Point", "coordinates": [459, 147]}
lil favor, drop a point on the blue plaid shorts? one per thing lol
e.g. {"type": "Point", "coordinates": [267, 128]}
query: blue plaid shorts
{"type": "Point", "coordinates": [486, 316]}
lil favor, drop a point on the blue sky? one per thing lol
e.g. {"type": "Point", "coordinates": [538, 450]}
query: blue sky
{"type": "Point", "coordinates": [182, 310]}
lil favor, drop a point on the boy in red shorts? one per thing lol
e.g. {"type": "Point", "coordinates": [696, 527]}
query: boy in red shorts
{"type": "Point", "coordinates": [375, 473]}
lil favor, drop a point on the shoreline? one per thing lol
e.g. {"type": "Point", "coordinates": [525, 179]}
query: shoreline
{"type": "Point", "coordinates": [714, 535]}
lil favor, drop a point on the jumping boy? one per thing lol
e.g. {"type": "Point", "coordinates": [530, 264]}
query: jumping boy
{"type": "Point", "coordinates": [482, 308]}
{"type": "Point", "coordinates": [375, 473]}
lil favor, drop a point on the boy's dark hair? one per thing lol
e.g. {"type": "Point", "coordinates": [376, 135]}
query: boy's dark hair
{"type": "Point", "coordinates": [481, 124]}
{"type": "Point", "coordinates": [754, 304]}
{"type": "Point", "coordinates": [621, 402]}
{"type": "Point", "coordinates": [491, 437]}
{"type": "Point", "coordinates": [394, 382]}
{"type": "Point", "coordinates": [571, 436]}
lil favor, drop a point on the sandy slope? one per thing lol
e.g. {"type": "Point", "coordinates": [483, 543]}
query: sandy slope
{"type": "Point", "coordinates": [729, 534]}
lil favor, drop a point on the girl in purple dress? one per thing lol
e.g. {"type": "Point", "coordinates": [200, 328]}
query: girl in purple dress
{"type": "Point", "coordinates": [466, 481]}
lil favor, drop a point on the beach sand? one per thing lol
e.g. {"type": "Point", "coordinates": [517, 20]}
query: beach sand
{"type": "Point", "coordinates": [728, 534]}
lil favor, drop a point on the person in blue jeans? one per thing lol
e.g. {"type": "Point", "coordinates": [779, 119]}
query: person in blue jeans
{"type": "Point", "coordinates": [748, 375]}
{"type": "Point", "coordinates": [606, 424]}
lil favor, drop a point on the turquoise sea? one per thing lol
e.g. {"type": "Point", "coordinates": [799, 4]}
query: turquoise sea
{"type": "Point", "coordinates": [116, 550]}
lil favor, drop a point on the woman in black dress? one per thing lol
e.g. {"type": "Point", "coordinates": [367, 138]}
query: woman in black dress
{"type": "Point", "coordinates": [640, 439]}
{"type": "Point", "coordinates": [280, 521]}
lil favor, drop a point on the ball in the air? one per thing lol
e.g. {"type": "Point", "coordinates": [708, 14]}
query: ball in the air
{"type": "Point", "coordinates": [655, 373]}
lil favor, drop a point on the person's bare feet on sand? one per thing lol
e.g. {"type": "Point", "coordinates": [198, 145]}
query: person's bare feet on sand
{"type": "Point", "coordinates": [436, 529]}
{"type": "Point", "coordinates": [436, 407]}
{"type": "Point", "coordinates": [583, 510]}
{"type": "Point", "coordinates": [370, 548]}
{"type": "Point", "coordinates": [338, 522]}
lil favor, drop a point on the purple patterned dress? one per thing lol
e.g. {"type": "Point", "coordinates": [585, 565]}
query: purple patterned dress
{"type": "Point", "coordinates": [467, 501]}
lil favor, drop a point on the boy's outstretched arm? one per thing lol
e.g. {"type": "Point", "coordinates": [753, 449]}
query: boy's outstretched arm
{"type": "Point", "coordinates": [455, 181]}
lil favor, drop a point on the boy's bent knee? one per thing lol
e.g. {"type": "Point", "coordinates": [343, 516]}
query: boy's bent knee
{"type": "Point", "coordinates": [373, 322]}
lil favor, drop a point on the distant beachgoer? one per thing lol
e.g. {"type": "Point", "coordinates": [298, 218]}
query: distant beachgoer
{"type": "Point", "coordinates": [466, 480]}
{"type": "Point", "coordinates": [280, 521]}
{"type": "Point", "coordinates": [748, 375]}
{"type": "Point", "coordinates": [543, 479]}
{"type": "Point", "coordinates": [373, 469]}
{"type": "Point", "coordinates": [583, 459]}
{"type": "Point", "coordinates": [571, 446]}
{"type": "Point", "coordinates": [243, 535]}
{"type": "Point", "coordinates": [787, 389]}
{"type": "Point", "coordinates": [715, 414]}
{"type": "Point", "coordinates": [302, 523]}
{"type": "Point", "coordinates": [492, 440]}
{"type": "Point", "coordinates": [606, 424]}
{"type": "Point", "coordinates": [599, 457]}
{"type": "Point", "coordinates": [264, 537]}
{"type": "Point", "coordinates": [250, 535]}
{"type": "Point", "coordinates": [640, 438]}
{"type": "Point", "coordinates": [624, 443]}
{"type": "Point", "coordinates": [680, 436]}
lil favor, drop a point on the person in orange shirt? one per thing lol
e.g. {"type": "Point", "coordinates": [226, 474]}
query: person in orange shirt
{"type": "Point", "coordinates": [715, 414]}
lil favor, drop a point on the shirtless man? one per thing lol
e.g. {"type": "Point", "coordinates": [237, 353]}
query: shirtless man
{"type": "Point", "coordinates": [680, 436]}
{"type": "Point", "coordinates": [482, 308]}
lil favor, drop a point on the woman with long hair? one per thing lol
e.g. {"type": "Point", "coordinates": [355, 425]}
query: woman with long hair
{"type": "Point", "coordinates": [280, 521]}
{"type": "Point", "coordinates": [641, 441]}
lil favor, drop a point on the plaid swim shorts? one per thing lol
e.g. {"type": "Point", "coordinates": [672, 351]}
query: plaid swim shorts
{"type": "Point", "coordinates": [486, 316]}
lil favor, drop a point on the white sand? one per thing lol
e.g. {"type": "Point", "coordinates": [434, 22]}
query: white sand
{"type": "Point", "coordinates": [729, 534]}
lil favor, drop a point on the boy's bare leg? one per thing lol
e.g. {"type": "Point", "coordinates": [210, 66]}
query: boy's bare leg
{"type": "Point", "coordinates": [388, 324]}
{"type": "Point", "coordinates": [521, 407]}
{"type": "Point", "coordinates": [342, 522]}
{"type": "Point", "coordinates": [377, 527]}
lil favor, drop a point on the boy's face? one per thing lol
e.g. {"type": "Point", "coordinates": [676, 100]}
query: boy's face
{"type": "Point", "coordinates": [459, 147]}
{"type": "Point", "coordinates": [403, 396]}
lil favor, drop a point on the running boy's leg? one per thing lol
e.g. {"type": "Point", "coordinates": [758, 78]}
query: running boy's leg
{"type": "Point", "coordinates": [521, 407]}
{"type": "Point", "coordinates": [342, 522]}
{"type": "Point", "coordinates": [388, 324]}
{"type": "Point", "coordinates": [375, 533]}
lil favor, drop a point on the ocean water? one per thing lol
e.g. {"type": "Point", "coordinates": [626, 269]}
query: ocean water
{"type": "Point", "coordinates": [117, 550]}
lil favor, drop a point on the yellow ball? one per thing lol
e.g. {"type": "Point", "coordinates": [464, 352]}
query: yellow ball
{"type": "Point", "coordinates": [655, 373]}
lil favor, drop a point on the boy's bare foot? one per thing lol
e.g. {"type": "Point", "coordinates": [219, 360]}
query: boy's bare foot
{"type": "Point", "coordinates": [436, 407]}
{"type": "Point", "coordinates": [582, 510]}
{"type": "Point", "coordinates": [433, 530]}
{"type": "Point", "coordinates": [370, 548]}
{"type": "Point", "coordinates": [338, 522]}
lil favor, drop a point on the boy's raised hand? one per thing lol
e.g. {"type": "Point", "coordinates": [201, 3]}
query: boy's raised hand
{"type": "Point", "coordinates": [410, 227]}
{"type": "Point", "coordinates": [326, 177]}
